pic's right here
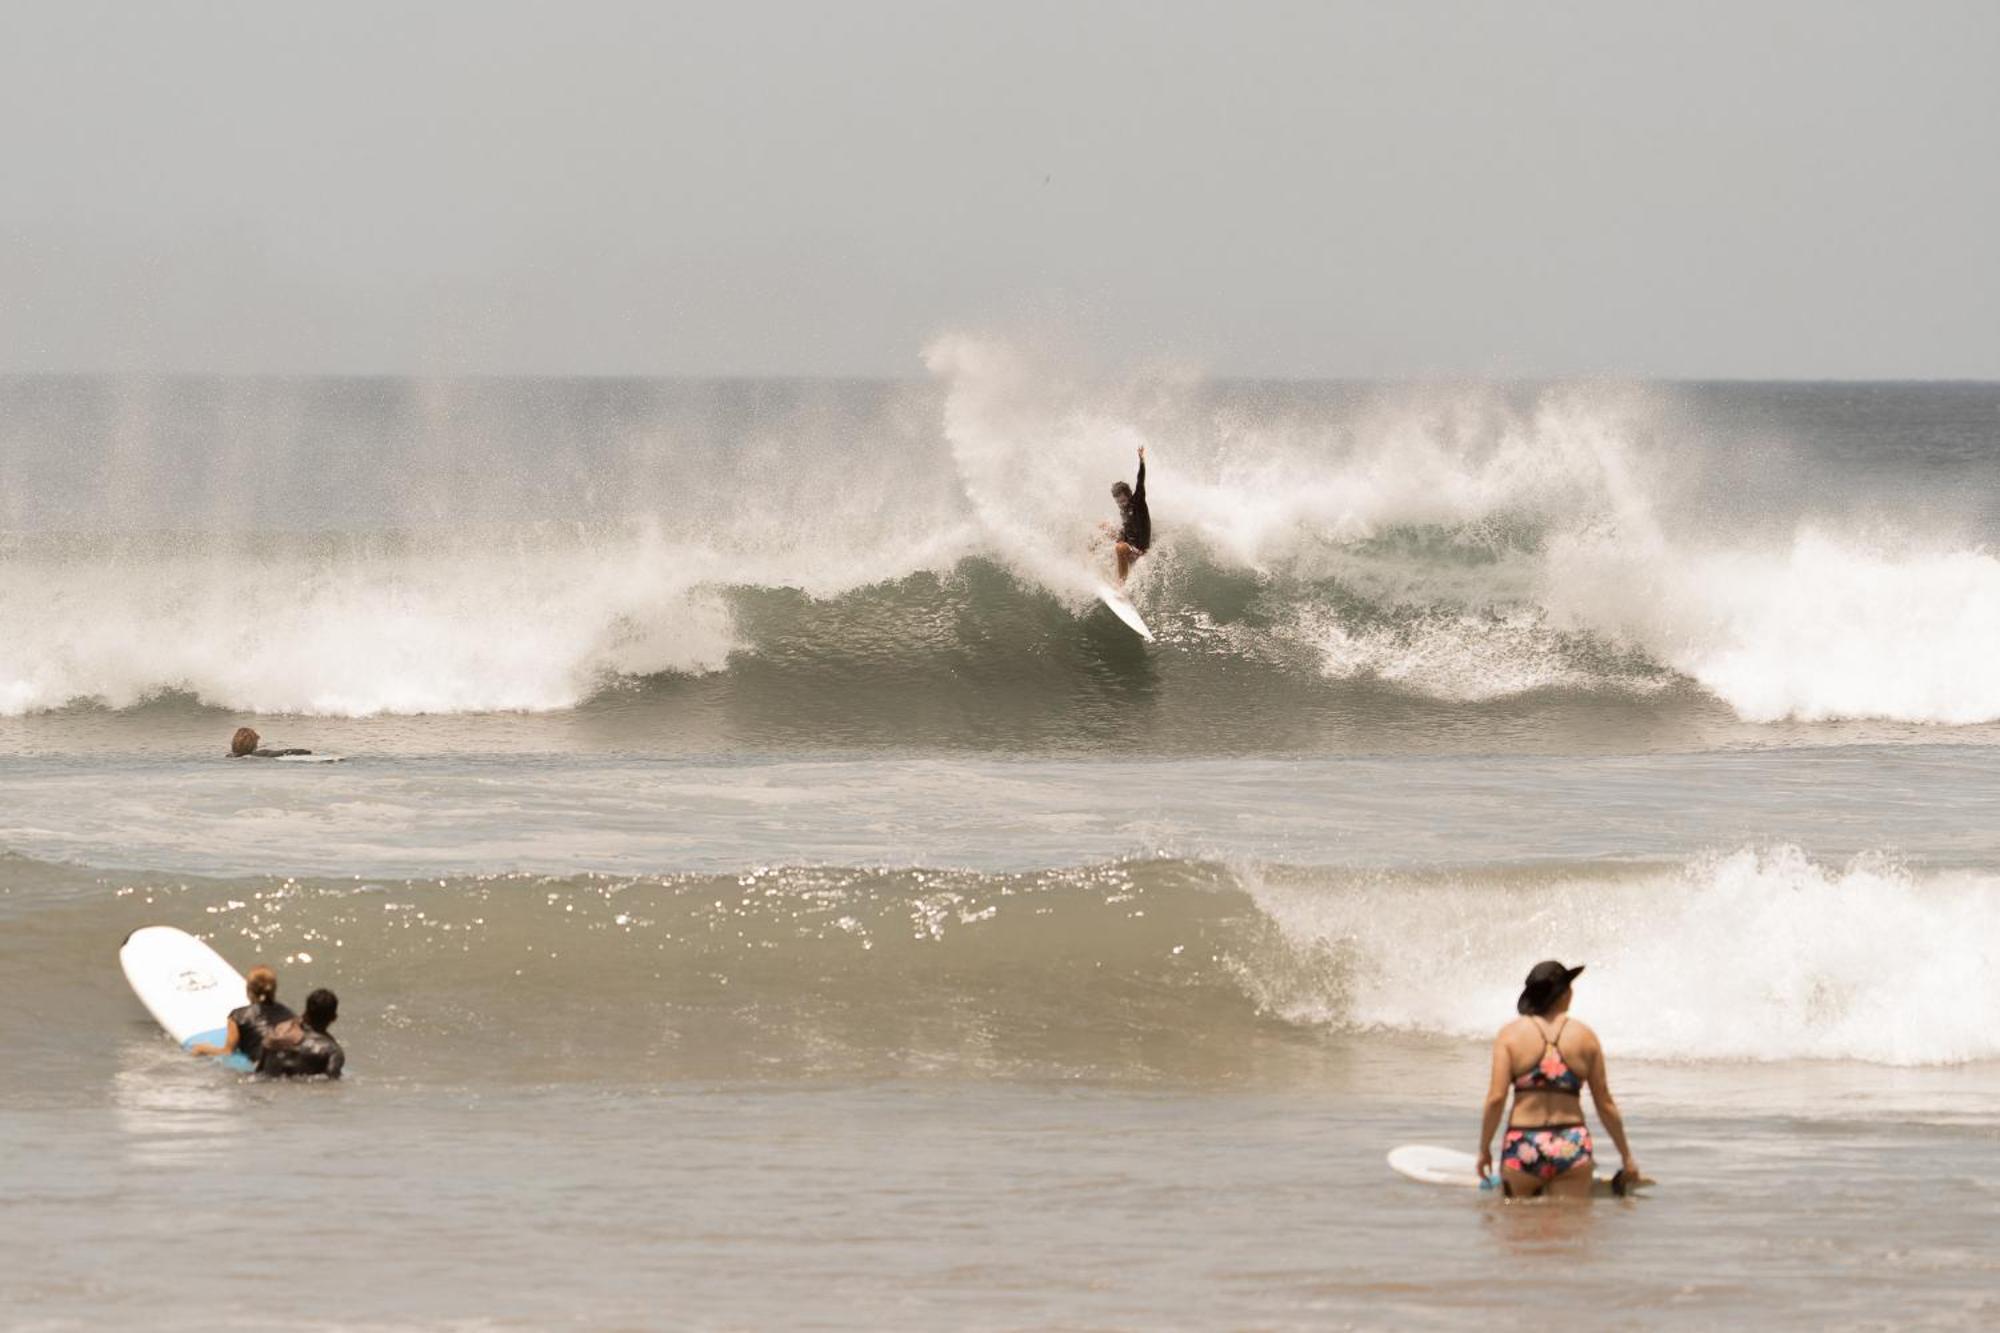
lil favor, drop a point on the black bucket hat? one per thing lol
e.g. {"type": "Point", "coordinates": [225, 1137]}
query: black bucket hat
{"type": "Point", "coordinates": [1546, 983]}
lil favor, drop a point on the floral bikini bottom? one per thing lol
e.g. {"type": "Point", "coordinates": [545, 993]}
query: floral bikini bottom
{"type": "Point", "coordinates": [1545, 1151]}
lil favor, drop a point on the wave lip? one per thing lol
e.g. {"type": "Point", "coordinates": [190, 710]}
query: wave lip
{"type": "Point", "coordinates": [526, 626]}
{"type": "Point", "coordinates": [1757, 955]}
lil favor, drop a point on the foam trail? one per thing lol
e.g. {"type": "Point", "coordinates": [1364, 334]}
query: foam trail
{"type": "Point", "coordinates": [530, 628]}
{"type": "Point", "coordinates": [1823, 628]}
{"type": "Point", "coordinates": [1756, 955]}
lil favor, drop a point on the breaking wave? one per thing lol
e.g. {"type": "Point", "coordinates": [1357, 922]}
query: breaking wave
{"type": "Point", "coordinates": [324, 548]}
{"type": "Point", "coordinates": [1762, 954]}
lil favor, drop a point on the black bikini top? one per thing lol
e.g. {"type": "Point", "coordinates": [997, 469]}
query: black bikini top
{"type": "Point", "coordinates": [1551, 1073]}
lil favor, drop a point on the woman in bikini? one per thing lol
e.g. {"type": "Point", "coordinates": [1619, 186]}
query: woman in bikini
{"type": "Point", "coordinates": [1545, 1058]}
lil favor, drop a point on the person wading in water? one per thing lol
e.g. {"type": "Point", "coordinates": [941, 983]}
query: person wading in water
{"type": "Point", "coordinates": [1547, 1059]}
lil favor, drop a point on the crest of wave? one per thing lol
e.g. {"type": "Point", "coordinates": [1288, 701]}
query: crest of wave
{"type": "Point", "coordinates": [1825, 626]}
{"type": "Point", "coordinates": [1761, 954]}
{"type": "Point", "coordinates": [519, 625]}
{"type": "Point", "coordinates": [1035, 456]}
{"type": "Point", "coordinates": [1483, 543]}
{"type": "Point", "coordinates": [1036, 448]}
{"type": "Point", "coordinates": [1429, 503]}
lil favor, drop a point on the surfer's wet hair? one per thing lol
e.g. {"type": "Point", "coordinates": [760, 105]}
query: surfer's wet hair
{"type": "Point", "coordinates": [261, 985]}
{"type": "Point", "coordinates": [322, 1007]}
{"type": "Point", "coordinates": [243, 742]}
{"type": "Point", "coordinates": [1121, 490]}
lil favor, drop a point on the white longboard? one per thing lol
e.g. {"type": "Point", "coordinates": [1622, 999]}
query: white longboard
{"type": "Point", "coordinates": [1431, 1165]}
{"type": "Point", "coordinates": [186, 986]}
{"type": "Point", "coordinates": [311, 759]}
{"type": "Point", "coordinates": [1121, 606]}
{"type": "Point", "coordinates": [1437, 1166]}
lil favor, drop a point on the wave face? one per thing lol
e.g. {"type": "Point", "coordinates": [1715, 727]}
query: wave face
{"type": "Point", "coordinates": [1122, 969]}
{"type": "Point", "coordinates": [352, 548]}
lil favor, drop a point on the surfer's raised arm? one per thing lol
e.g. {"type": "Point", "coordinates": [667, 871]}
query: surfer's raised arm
{"type": "Point", "coordinates": [1139, 487]}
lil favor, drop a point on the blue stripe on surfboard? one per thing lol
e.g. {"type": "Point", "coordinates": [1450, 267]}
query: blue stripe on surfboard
{"type": "Point", "coordinates": [234, 1060]}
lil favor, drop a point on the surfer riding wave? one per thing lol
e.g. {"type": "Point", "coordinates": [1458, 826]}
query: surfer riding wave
{"type": "Point", "coordinates": [1135, 530]}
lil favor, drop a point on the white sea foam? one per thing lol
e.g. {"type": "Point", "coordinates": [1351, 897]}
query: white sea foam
{"type": "Point", "coordinates": [1459, 542]}
{"type": "Point", "coordinates": [1034, 459]}
{"type": "Point", "coordinates": [522, 629]}
{"type": "Point", "coordinates": [1550, 523]}
{"type": "Point", "coordinates": [1762, 954]}
{"type": "Point", "coordinates": [1462, 656]}
{"type": "Point", "coordinates": [1822, 627]}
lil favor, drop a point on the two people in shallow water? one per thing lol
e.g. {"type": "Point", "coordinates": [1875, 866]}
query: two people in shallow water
{"type": "Point", "coordinates": [276, 1041]}
{"type": "Point", "coordinates": [1546, 1059]}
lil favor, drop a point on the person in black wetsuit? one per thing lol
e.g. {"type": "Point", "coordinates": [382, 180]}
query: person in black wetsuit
{"type": "Point", "coordinates": [255, 1021]}
{"type": "Point", "coordinates": [310, 1051]}
{"type": "Point", "coordinates": [1135, 529]}
{"type": "Point", "coordinates": [243, 745]}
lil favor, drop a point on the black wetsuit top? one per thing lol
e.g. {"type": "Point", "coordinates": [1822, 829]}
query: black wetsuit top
{"type": "Point", "coordinates": [314, 1055]}
{"type": "Point", "coordinates": [1138, 529]}
{"type": "Point", "coordinates": [254, 1023]}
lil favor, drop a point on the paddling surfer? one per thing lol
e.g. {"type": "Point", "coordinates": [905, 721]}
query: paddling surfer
{"type": "Point", "coordinates": [307, 1050]}
{"type": "Point", "coordinates": [250, 1026]}
{"type": "Point", "coordinates": [1135, 530]}
{"type": "Point", "coordinates": [244, 745]}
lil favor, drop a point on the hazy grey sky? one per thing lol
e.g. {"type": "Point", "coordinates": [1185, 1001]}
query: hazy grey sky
{"type": "Point", "coordinates": [1781, 189]}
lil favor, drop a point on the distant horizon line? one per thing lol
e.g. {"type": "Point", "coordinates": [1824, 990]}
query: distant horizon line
{"type": "Point", "coordinates": [748, 377]}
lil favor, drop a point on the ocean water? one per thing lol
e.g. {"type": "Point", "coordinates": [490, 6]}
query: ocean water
{"type": "Point", "coordinates": [766, 889]}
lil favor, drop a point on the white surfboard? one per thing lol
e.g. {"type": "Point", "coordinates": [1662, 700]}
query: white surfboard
{"type": "Point", "coordinates": [1121, 606]}
{"type": "Point", "coordinates": [1437, 1166]}
{"type": "Point", "coordinates": [1432, 1165]}
{"type": "Point", "coordinates": [186, 986]}
{"type": "Point", "coordinates": [311, 759]}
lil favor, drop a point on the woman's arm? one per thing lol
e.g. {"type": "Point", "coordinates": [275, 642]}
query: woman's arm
{"type": "Point", "coordinates": [228, 1046]}
{"type": "Point", "coordinates": [1496, 1105]}
{"type": "Point", "coordinates": [1607, 1110]}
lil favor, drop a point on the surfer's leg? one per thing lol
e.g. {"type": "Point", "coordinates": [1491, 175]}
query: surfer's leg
{"type": "Point", "coordinates": [1574, 1183]}
{"type": "Point", "coordinates": [1128, 556]}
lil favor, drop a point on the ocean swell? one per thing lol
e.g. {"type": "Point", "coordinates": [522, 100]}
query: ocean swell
{"type": "Point", "coordinates": [474, 549]}
{"type": "Point", "coordinates": [1761, 955]}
